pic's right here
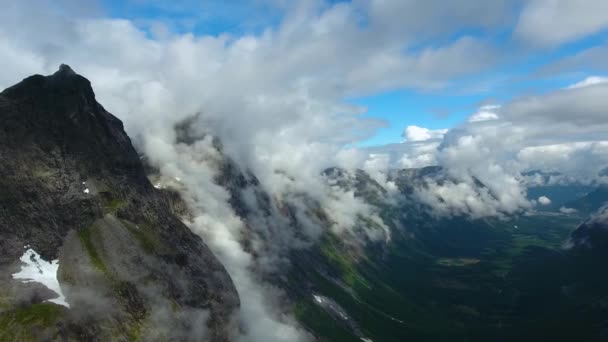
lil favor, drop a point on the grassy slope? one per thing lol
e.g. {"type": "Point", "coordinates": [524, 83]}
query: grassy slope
{"type": "Point", "coordinates": [426, 289]}
{"type": "Point", "coordinates": [19, 324]}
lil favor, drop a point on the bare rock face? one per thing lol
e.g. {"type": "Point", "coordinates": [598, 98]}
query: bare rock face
{"type": "Point", "coordinates": [73, 189]}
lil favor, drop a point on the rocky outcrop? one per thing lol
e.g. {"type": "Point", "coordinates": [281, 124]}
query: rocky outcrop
{"type": "Point", "coordinates": [74, 190]}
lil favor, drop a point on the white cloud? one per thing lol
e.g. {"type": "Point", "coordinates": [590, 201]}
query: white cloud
{"type": "Point", "coordinates": [376, 166]}
{"type": "Point", "coordinates": [554, 22]}
{"type": "Point", "coordinates": [419, 149]}
{"type": "Point", "coordinates": [481, 154]}
{"type": "Point", "coordinates": [485, 113]}
{"type": "Point", "coordinates": [413, 17]}
{"type": "Point", "coordinates": [580, 161]}
{"type": "Point", "coordinates": [408, 154]}
{"type": "Point", "coordinates": [544, 200]}
{"type": "Point", "coordinates": [416, 133]}
{"type": "Point", "coordinates": [565, 210]}
{"type": "Point", "coordinates": [419, 160]}
{"type": "Point", "coordinates": [575, 113]}
{"type": "Point", "coordinates": [467, 199]}
{"type": "Point", "coordinates": [589, 81]}
{"type": "Point", "coordinates": [562, 131]}
{"type": "Point", "coordinates": [196, 167]}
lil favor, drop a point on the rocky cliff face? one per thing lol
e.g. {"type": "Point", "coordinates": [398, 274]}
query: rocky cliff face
{"type": "Point", "coordinates": [74, 194]}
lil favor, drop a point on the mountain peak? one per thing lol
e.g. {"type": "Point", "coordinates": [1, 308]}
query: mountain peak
{"type": "Point", "coordinates": [64, 86]}
{"type": "Point", "coordinates": [66, 78]}
{"type": "Point", "coordinates": [65, 70]}
{"type": "Point", "coordinates": [60, 112]}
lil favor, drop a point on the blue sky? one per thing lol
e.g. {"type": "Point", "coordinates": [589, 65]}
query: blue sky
{"type": "Point", "coordinates": [517, 72]}
{"type": "Point", "coordinates": [449, 107]}
{"type": "Point", "coordinates": [198, 17]}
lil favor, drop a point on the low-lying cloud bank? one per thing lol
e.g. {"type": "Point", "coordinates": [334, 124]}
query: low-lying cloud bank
{"type": "Point", "coordinates": [560, 133]}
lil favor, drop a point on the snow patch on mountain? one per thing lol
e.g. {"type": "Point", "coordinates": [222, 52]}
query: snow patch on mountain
{"type": "Point", "coordinates": [37, 270]}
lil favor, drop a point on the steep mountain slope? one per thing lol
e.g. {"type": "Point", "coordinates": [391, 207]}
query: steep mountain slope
{"type": "Point", "coordinates": [449, 278]}
{"type": "Point", "coordinates": [75, 195]}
